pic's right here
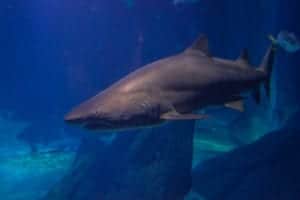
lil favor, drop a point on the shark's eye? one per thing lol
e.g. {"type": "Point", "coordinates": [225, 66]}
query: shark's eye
{"type": "Point", "coordinates": [97, 113]}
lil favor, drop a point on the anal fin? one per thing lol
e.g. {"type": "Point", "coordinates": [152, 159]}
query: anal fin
{"type": "Point", "coordinates": [236, 105]}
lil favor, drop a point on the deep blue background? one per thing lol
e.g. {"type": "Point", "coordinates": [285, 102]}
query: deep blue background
{"type": "Point", "coordinates": [56, 53]}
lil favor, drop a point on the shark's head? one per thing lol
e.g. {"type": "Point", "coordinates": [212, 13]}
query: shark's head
{"type": "Point", "coordinates": [106, 112]}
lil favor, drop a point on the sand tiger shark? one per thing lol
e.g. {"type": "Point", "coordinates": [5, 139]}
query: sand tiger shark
{"type": "Point", "coordinates": [173, 88]}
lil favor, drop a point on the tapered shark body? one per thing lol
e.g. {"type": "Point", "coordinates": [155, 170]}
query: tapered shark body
{"type": "Point", "coordinates": [172, 89]}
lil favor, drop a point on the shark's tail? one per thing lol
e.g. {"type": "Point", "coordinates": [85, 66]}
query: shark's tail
{"type": "Point", "coordinates": [286, 41]}
{"type": "Point", "coordinates": [267, 64]}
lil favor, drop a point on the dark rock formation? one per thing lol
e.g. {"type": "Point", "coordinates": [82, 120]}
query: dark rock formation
{"type": "Point", "coordinates": [266, 169]}
{"type": "Point", "coordinates": [148, 165]}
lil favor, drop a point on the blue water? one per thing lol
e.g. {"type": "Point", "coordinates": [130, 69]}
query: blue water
{"type": "Point", "coordinates": [57, 53]}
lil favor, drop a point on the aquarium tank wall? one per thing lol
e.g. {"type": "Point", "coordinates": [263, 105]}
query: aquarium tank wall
{"type": "Point", "coordinates": [198, 113]}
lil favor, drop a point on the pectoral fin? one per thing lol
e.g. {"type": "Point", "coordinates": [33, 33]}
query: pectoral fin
{"type": "Point", "coordinates": [173, 115]}
{"type": "Point", "coordinates": [236, 105]}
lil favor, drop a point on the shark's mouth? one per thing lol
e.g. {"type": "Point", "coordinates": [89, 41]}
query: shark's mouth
{"type": "Point", "coordinates": [98, 125]}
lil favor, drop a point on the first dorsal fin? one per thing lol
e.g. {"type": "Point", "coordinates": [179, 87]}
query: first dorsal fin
{"type": "Point", "coordinates": [201, 44]}
{"type": "Point", "coordinates": [244, 55]}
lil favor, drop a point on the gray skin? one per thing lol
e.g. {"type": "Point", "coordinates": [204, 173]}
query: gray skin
{"type": "Point", "coordinates": [171, 89]}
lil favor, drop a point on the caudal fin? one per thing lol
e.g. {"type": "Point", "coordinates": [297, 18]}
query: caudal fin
{"type": "Point", "coordinates": [286, 41]}
{"type": "Point", "coordinates": [267, 65]}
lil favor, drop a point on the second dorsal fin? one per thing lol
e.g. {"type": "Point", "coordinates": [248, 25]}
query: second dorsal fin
{"type": "Point", "coordinates": [244, 58]}
{"type": "Point", "coordinates": [201, 44]}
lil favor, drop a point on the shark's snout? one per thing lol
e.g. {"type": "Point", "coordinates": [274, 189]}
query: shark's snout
{"type": "Point", "coordinates": [73, 118]}
{"type": "Point", "coordinates": [88, 122]}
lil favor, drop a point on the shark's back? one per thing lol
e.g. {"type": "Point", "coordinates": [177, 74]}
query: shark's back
{"type": "Point", "coordinates": [175, 71]}
{"type": "Point", "coordinates": [186, 71]}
